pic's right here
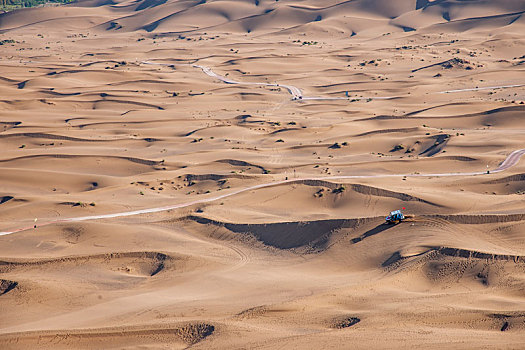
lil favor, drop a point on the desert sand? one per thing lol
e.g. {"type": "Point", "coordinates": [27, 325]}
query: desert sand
{"type": "Point", "coordinates": [216, 174]}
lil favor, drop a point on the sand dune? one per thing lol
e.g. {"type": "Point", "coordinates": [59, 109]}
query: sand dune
{"type": "Point", "coordinates": [176, 337]}
{"type": "Point", "coordinates": [267, 16]}
{"type": "Point", "coordinates": [215, 174]}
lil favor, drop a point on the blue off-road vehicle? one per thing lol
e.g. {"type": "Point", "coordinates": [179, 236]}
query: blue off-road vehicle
{"type": "Point", "coordinates": [395, 217]}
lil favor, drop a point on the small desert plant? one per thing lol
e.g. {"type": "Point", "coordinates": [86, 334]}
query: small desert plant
{"type": "Point", "coordinates": [397, 148]}
{"type": "Point", "coordinates": [339, 189]}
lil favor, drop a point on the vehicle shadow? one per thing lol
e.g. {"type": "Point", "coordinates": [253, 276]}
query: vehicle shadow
{"type": "Point", "coordinates": [374, 231]}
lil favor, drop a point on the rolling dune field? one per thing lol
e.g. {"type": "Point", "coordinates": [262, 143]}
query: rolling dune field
{"type": "Point", "coordinates": [216, 174]}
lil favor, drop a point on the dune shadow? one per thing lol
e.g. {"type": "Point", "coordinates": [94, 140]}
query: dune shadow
{"type": "Point", "coordinates": [378, 229]}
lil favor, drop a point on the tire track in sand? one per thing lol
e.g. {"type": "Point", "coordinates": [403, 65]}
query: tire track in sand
{"type": "Point", "coordinates": [511, 160]}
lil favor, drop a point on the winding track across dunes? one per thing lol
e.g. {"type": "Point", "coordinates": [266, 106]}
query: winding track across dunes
{"type": "Point", "coordinates": [482, 88]}
{"type": "Point", "coordinates": [294, 91]}
{"type": "Point", "coordinates": [297, 94]}
{"type": "Point", "coordinates": [511, 160]}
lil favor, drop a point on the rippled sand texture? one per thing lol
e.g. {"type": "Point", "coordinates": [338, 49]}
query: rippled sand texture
{"type": "Point", "coordinates": [250, 151]}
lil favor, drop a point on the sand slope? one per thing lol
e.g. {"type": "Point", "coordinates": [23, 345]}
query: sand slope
{"type": "Point", "coordinates": [116, 107]}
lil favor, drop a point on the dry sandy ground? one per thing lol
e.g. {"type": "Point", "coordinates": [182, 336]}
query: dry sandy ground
{"type": "Point", "coordinates": [87, 127]}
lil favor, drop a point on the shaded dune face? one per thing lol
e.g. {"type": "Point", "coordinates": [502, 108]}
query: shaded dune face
{"type": "Point", "coordinates": [216, 174]}
{"type": "Point", "coordinates": [269, 16]}
{"type": "Point", "coordinates": [141, 263]}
